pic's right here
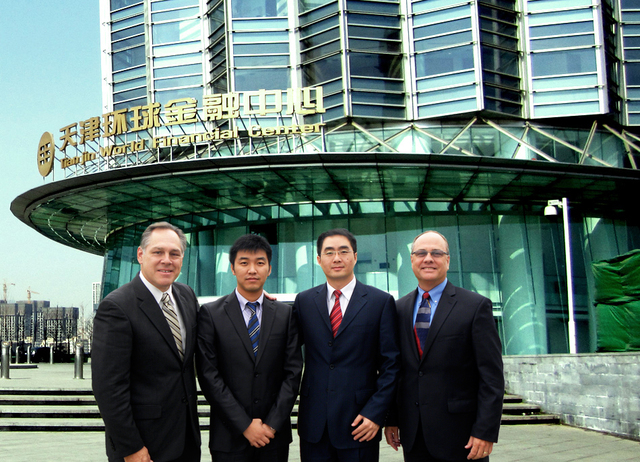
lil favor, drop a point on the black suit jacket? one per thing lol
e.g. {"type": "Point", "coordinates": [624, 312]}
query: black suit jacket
{"type": "Point", "coordinates": [145, 392]}
{"type": "Point", "coordinates": [456, 390]}
{"type": "Point", "coordinates": [353, 373]}
{"type": "Point", "coordinates": [240, 386]}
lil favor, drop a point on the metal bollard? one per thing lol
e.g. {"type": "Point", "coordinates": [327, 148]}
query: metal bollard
{"type": "Point", "coordinates": [6, 359]}
{"type": "Point", "coordinates": [79, 362]}
{"type": "Point", "coordinates": [28, 355]}
{"type": "Point", "coordinates": [51, 354]}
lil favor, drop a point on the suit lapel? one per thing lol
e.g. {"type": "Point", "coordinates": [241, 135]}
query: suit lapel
{"type": "Point", "coordinates": [321, 305]}
{"type": "Point", "coordinates": [444, 309]}
{"type": "Point", "coordinates": [233, 310]}
{"type": "Point", "coordinates": [406, 323]}
{"type": "Point", "coordinates": [268, 316]}
{"type": "Point", "coordinates": [188, 319]}
{"type": "Point", "coordinates": [357, 302]}
{"type": "Point", "coordinates": [149, 306]}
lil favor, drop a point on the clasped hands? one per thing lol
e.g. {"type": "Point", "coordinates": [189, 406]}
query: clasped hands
{"type": "Point", "coordinates": [259, 434]}
{"type": "Point", "coordinates": [479, 449]}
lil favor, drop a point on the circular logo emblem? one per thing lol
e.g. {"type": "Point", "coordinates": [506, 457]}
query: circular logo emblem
{"type": "Point", "coordinates": [46, 151]}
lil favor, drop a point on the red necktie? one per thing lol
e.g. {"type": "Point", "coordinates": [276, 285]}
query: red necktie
{"type": "Point", "coordinates": [336, 313]}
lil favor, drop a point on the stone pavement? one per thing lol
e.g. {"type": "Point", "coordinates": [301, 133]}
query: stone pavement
{"type": "Point", "coordinates": [547, 443]}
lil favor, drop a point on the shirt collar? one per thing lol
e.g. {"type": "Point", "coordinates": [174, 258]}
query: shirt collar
{"type": "Point", "coordinates": [243, 301]}
{"type": "Point", "coordinates": [434, 293]}
{"type": "Point", "coordinates": [346, 291]}
{"type": "Point", "coordinates": [157, 293]}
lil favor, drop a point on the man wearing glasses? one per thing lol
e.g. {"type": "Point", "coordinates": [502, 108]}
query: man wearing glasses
{"type": "Point", "coordinates": [351, 358]}
{"type": "Point", "coordinates": [449, 401]}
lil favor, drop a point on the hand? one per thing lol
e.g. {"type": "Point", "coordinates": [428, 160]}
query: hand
{"type": "Point", "coordinates": [479, 448]}
{"type": "Point", "coordinates": [141, 456]}
{"type": "Point", "coordinates": [268, 296]}
{"type": "Point", "coordinates": [258, 434]}
{"type": "Point", "coordinates": [366, 429]}
{"type": "Point", "coordinates": [392, 434]}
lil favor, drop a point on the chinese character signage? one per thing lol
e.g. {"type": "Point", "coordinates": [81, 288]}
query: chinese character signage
{"type": "Point", "coordinates": [182, 111]}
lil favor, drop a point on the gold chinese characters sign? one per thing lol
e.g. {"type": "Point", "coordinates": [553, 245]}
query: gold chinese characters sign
{"type": "Point", "coordinates": [215, 107]}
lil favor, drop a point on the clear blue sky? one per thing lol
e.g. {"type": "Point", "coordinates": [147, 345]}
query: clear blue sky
{"type": "Point", "coordinates": [49, 78]}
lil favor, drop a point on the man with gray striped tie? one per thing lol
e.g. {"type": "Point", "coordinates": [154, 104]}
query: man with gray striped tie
{"type": "Point", "coordinates": [249, 362]}
{"type": "Point", "coordinates": [143, 376]}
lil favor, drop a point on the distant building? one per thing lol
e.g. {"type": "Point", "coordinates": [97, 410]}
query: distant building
{"type": "Point", "coordinates": [35, 323]}
{"type": "Point", "coordinates": [96, 295]}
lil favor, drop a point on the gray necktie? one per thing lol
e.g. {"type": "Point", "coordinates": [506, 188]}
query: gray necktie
{"type": "Point", "coordinates": [172, 318]}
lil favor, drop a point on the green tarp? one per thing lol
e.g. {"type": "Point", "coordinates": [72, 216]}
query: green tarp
{"type": "Point", "coordinates": [617, 297]}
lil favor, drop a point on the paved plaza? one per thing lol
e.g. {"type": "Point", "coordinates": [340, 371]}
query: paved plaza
{"type": "Point", "coordinates": [546, 443]}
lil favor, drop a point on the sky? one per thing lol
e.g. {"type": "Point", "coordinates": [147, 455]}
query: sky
{"type": "Point", "coordinates": [49, 78]}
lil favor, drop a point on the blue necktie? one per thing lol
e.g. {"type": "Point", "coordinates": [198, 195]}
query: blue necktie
{"type": "Point", "coordinates": [423, 319]}
{"type": "Point", "coordinates": [254, 326]}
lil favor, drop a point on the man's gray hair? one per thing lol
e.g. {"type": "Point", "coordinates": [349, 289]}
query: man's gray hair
{"type": "Point", "coordinates": [430, 231]}
{"type": "Point", "coordinates": [146, 235]}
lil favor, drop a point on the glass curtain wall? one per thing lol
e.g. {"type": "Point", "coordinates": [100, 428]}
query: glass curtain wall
{"type": "Point", "coordinates": [513, 255]}
{"type": "Point", "coordinates": [630, 26]}
{"type": "Point", "coordinates": [566, 57]}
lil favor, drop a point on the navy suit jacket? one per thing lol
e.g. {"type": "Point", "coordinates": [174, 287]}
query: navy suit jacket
{"type": "Point", "coordinates": [456, 389]}
{"type": "Point", "coordinates": [240, 386]}
{"type": "Point", "coordinates": [145, 392]}
{"type": "Point", "coordinates": [353, 373]}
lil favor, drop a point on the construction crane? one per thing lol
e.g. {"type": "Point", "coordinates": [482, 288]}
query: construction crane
{"type": "Point", "coordinates": [4, 290]}
{"type": "Point", "coordinates": [29, 292]}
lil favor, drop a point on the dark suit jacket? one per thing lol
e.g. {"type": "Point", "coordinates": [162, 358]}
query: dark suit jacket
{"type": "Point", "coordinates": [145, 392]}
{"type": "Point", "coordinates": [239, 386]}
{"type": "Point", "coordinates": [457, 389]}
{"type": "Point", "coordinates": [355, 373]}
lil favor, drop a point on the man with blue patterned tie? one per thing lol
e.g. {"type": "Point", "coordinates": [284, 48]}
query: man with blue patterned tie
{"type": "Point", "coordinates": [249, 362]}
{"type": "Point", "coordinates": [451, 388]}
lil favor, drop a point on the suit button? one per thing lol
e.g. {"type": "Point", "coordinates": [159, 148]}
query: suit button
{"type": "Point", "coordinates": [331, 366]}
{"type": "Point", "coordinates": [417, 404]}
{"type": "Point", "coordinates": [256, 375]}
{"type": "Point", "coordinates": [420, 374]}
{"type": "Point", "coordinates": [256, 401]}
{"type": "Point", "coordinates": [184, 400]}
{"type": "Point", "coordinates": [330, 343]}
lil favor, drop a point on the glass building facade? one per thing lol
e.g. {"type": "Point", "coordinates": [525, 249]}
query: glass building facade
{"type": "Point", "coordinates": [465, 117]}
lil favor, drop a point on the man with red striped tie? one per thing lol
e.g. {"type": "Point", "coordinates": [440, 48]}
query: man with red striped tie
{"type": "Point", "coordinates": [351, 358]}
{"type": "Point", "coordinates": [449, 402]}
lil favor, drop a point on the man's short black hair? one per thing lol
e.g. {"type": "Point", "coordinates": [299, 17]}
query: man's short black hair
{"type": "Point", "coordinates": [251, 243]}
{"type": "Point", "coordinates": [337, 232]}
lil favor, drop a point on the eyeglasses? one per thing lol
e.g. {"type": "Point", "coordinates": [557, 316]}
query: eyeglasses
{"type": "Point", "coordinates": [434, 253]}
{"type": "Point", "coordinates": [332, 253]}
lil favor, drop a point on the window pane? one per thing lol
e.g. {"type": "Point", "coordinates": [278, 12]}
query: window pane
{"type": "Point", "coordinates": [564, 62]}
{"type": "Point", "coordinates": [175, 14]}
{"type": "Point", "coordinates": [443, 41]}
{"type": "Point", "coordinates": [191, 58]}
{"type": "Point", "coordinates": [443, 61]}
{"type": "Point", "coordinates": [322, 70]}
{"type": "Point", "coordinates": [128, 58]}
{"type": "Point", "coordinates": [261, 49]}
{"type": "Point", "coordinates": [253, 37]}
{"type": "Point", "coordinates": [131, 31]}
{"type": "Point", "coordinates": [561, 29]}
{"type": "Point", "coordinates": [246, 61]}
{"type": "Point", "coordinates": [128, 84]}
{"type": "Point", "coordinates": [256, 79]}
{"type": "Point", "coordinates": [563, 42]}
{"type": "Point", "coordinates": [257, 24]}
{"type": "Point", "coordinates": [176, 31]}
{"type": "Point", "coordinates": [170, 4]}
{"type": "Point", "coordinates": [258, 8]}
{"type": "Point", "coordinates": [129, 74]}
{"type": "Point", "coordinates": [178, 82]}
{"type": "Point", "coordinates": [374, 65]}
{"type": "Point", "coordinates": [178, 70]}
{"type": "Point", "coordinates": [125, 95]}
{"type": "Point", "coordinates": [133, 41]}
{"type": "Point", "coordinates": [176, 49]}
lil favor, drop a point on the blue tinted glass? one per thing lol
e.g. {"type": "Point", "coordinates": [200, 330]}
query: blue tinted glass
{"type": "Point", "coordinates": [446, 80]}
{"type": "Point", "coordinates": [632, 71]}
{"type": "Point", "coordinates": [561, 29]}
{"type": "Point", "coordinates": [139, 29]}
{"type": "Point", "coordinates": [322, 70]}
{"type": "Point", "coordinates": [451, 107]}
{"type": "Point", "coordinates": [175, 14]}
{"type": "Point", "coordinates": [253, 37]}
{"type": "Point", "coordinates": [631, 42]}
{"type": "Point", "coordinates": [178, 82]}
{"type": "Point", "coordinates": [563, 42]}
{"type": "Point", "coordinates": [566, 109]}
{"type": "Point", "coordinates": [126, 43]}
{"type": "Point", "coordinates": [178, 60]}
{"type": "Point", "coordinates": [163, 97]}
{"type": "Point", "coordinates": [444, 61]}
{"type": "Point", "coordinates": [261, 49]}
{"type": "Point", "coordinates": [128, 84]}
{"type": "Point", "coordinates": [176, 49]}
{"type": "Point", "coordinates": [125, 95]}
{"type": "Point", "coordinates": [260, 24]}
{"type": "Point", "coordinates": [135, 20]}
{"type": "Point", "coordinates": [176, 31]}
{"type": "Point", "coordinates": [563, 62]}
{"type": "Point", "coordinates": [178, 70]}
{"type": "Point", "coordinates": [565, 82]}
{"type": "Point", "coordinates": [258, 8]}
{"type": "Point", "coordinates": [447, 94]}
{"type": "Point", "coordinates": [565, 95]}
{"type": "Point", "coordinates": [268, 79]}
{"type": "Point", "coordinates": [129, 74]}
{"type": "Point", "coordinates": [443, 41]}
{"type": "Point", "coordinates": [246, 61]}
{"type": "Point", "coordinates": [375, 65]}
{"type": "Point", "coordinates": [128, 58]}
{"type": "Point", "coordinates": [127, 12]}
{"type": "Point", "coordinates": [374, 7]}
{"type": "Point", "coordinates": [169, 4]}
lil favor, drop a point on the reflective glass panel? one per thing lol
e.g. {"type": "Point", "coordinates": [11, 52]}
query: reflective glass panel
{"type": "Point", "coordinates": [178, 60]}
{"type": "Point", "coordinates": [273, 60]}
{"type": "Point", "coordinates": [261, 49]}
{"type": "Point", "coordinates": [258, 8]}
{"type": "Point", "coordinates": [128, 58]}
{"type": "Point", "coordinates": [564, 62]}
{"type": "Point", "coordinates": [175, 14]}
{"type": "Point", "coordinates": [563, 42]}
{"type": "Point", "coordinates": [176, 31]}
{"type": "Point", "coordinates": [178, 70]}
{"type": "Point", "coordinates": [170, 4]}
{"type": "Point", "coordinates": [178, 82]}
{"type": "Point", "coordinates": [254, 37]}
{"type": "Point", "coordinates": [256, 79]}
{"type": "Point", "coordinates": [443, 61]}
{"type": "Point", "coordinates": [176, 48]}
